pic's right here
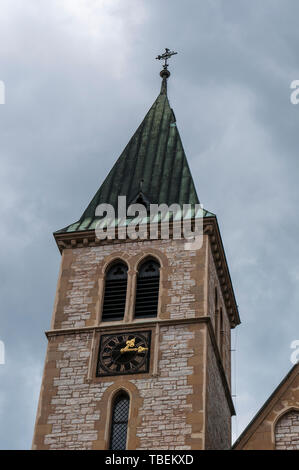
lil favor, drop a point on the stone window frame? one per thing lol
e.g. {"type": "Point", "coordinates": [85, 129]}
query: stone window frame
{"type": "Point", "coordinates": [133, 264]}
{"type": "Point", "coordinates": [118, 393]}
{"type": "Point", "coordinates": [141, 261]}
{"type": "Point", "coordinates": [112, 259]}
{"type": "Point", "coordinates": [285, 411]}
{"type": "Point", "coordinates": [216, 309]}
{"type": "Point", "coordinates": [219, 329]}
{"type": "Point", "coordinates": [107, 269]}
{"type": "Point", "coordinates": [221, 333]}
{"type": "Point", "coordinates": [105, 407]}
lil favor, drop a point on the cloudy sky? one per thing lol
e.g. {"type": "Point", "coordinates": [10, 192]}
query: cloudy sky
{"type": "Point", "coordinates": [80, 76]}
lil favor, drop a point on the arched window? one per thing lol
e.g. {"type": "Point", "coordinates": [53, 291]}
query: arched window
{"type": "Point", "coordinates": [286, 436]}
{"type": "Point", "coordinates": [147, 289]}
{"type": "Point", "coordinates": [221, 335]}
{"type": "Point", "coordinates": [119, 423]}
{"type": "Point", "coordinates": [115, 292]}
{"type": "Point", "coordinates": [216, 316]}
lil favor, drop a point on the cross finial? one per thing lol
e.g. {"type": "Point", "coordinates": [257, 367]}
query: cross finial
{"type": "Point", "coordinates": [167, 54]}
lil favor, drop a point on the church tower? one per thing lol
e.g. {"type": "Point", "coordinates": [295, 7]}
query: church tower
{"type": "Point", "coordinates": [139, 345]}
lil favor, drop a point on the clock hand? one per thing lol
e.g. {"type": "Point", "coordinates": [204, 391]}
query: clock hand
{"type": "Point", "coordinates": [127, 349]}
{"type": "Point", "coordinates": [117, 357]}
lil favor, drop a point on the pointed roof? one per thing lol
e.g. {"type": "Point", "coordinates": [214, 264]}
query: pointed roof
{"type": "Point", "coordinates": [154, 160]}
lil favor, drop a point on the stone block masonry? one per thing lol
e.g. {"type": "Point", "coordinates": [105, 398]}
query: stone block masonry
{"type": "Point", "coordinates": [167, 404]}
{"type": "Point", "coordinates": [73, 414]}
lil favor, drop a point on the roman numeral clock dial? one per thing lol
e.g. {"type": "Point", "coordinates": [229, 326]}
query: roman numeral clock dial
{"type": "Point", "coordinates": [124, 353]}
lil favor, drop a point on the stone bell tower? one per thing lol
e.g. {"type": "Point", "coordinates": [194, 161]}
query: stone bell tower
{"type": "Point", "coordinates": [139, 345]}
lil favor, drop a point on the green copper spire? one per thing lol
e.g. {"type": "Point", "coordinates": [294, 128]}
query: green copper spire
{"type": "Point", "coordinates": [152, 166]}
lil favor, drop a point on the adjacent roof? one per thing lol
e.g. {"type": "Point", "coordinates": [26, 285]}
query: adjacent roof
{"type": "Point", "coordinates": [153, 166]}
{"type": "Point", "coordinates": [262, 413]}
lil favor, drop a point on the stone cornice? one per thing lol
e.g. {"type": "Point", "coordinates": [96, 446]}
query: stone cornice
{"type": "Point", "coordinates": [115, 326]}
{"type": "Point", "coordinates": [211, 228]}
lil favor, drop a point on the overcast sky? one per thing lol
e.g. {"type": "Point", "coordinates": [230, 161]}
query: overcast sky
{"type": "Point", "coordinates": [80, 76]}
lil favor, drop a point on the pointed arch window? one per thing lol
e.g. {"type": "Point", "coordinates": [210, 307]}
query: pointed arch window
{"type": "Point", "coordinates": [147, 289]}
{"type": "Point", "coordinates": [115, 292]}
{"type": "Point", "coordinates": [119, 422]}
{"type": "Point", "coordinates": [216, 316]}
{"type": "Point", "coordinates": [286, 437]}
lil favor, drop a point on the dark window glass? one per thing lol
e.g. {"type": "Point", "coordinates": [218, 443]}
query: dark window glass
{"type": "Point", "coordinates": [147, 290]}
{"type": "Point", "coordinates": [119, 425]}
{"type": "Point", "coordinates": [216, 316]}
{"type": "Point", "coordinates": [115, 293]}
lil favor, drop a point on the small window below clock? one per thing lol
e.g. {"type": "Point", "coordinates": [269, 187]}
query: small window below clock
{"type": "Point", "coordinates": [119, 424]}
{"type": "Point", "coordinates": [115, 292]}
{"type": "Point", "coordinates": [147, 289]}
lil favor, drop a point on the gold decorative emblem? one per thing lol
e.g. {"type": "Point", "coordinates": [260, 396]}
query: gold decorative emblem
{"type": "Point", "coordinates": [130, 347]}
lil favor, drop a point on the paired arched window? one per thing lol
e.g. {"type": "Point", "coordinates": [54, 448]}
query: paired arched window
{"type": "Point", "coordinates": [119, 421]}
{"type": "Point", "coordinates": [115, 292]}
{"type": "Point", "coordinates": [147, 290]}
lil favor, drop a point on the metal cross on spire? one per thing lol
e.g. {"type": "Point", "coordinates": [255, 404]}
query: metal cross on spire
{"type": "Point", "coordinates": [167, 54]}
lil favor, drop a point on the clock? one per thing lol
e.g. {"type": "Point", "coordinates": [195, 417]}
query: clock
{"type": "Point", "coordinates": [124, 353]}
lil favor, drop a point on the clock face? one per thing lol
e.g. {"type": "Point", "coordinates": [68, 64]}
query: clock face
{"type": "Point", "coordinates": [124, 353]}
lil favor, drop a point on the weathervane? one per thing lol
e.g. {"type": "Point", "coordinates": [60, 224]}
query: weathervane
{"type": "Point", "coordinates": [167, 54]}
